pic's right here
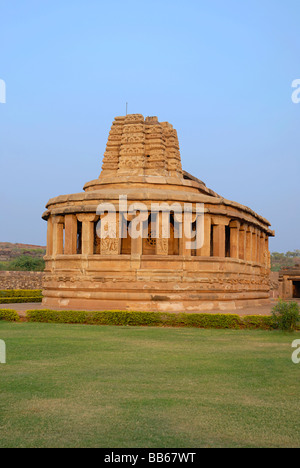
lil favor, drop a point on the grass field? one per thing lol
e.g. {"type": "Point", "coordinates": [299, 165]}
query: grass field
{"type": "Point", "coordinates": [92, 386]}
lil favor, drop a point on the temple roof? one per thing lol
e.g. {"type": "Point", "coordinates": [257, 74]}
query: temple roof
{"type": "Point", "coordinates": [142, 146]}
{"type": "Point", "coordinates": [142, 161]}
{"type": "Point", "coordinates": [144, 152]}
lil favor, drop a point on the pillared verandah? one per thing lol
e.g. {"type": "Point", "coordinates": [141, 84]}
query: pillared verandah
{"type": "Point", "coordinates": [92, 263]}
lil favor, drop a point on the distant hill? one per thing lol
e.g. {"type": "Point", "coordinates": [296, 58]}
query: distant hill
{"type": "Point", "coordinates": [10, 251]}
{"type": "Point", "coordinates": [284, 260]}
{"type": "Point", "coordinates": [21, 257]}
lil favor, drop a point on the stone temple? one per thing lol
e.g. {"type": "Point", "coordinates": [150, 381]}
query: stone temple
{"type": "Point", "coordinates": [94, 262]}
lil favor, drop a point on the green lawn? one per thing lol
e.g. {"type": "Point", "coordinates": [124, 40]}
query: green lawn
{"type": "Point", "coordinates": [92, 386]}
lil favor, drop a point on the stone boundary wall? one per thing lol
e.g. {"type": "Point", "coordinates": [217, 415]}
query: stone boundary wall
{"type": "Point", "coordinates": [21, 279]}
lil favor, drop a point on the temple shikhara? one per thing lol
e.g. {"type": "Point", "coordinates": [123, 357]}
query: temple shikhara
{"type": "Point", "coordinates": [95, 262]}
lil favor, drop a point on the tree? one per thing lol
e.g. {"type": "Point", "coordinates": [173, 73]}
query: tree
{"type": "Point", "coordinates": [281, 260]}
{"type": "Point", "coordinates": [27, 263]}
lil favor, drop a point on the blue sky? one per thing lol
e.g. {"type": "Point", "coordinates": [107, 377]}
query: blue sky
{"type": "Point", "coordinates": [220, 72]}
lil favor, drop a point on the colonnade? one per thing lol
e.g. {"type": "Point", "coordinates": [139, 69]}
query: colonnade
{"type": "Point", "coordinates": [222, 237]}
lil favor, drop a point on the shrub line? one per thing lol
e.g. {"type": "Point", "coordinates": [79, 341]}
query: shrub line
{"type": "Point", "coordinates": [14, 296]}
{"type": "Point", "coordinates": [9, 315]}
{"type": "Point", "coordinates": [20, 293]}
{"type": "Point", "coordinates": [20, 300]}
{"type": "Point", "coordinates": [167, 319]}
{"type": "Point", "coordinates": [284, 317]}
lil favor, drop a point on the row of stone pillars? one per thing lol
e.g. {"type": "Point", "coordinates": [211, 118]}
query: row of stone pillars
{"type": "Point", "coordinates": [62, 234]}
{"type": "Point", "coordinates": [222, 237]}
{"type": "Point", "coordinates": [246, 242]}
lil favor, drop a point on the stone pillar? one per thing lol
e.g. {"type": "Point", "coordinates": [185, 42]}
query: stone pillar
{"type": "Point", "coordinates": [262, 247]}
{"type": "Point", "coordinates": [267, 253]}
{"type": "Point", "coordinates": [249, 243]}
{"type": "Point", "coordinates": [58, 235]}
{"type": "Point", "coordinates": [258, 246]}
{"type": "Point", "coordinates": [219, 235]}
{"type": "Point", "coordinates": [219, 240]}
{"type": "Point", "coordinates": [242, 242]}
{"type": "Point", "coordinates": [254, 244]}
{"type": "Point", "coordinates": [87, 221]}
{"type": "Point", "coordinates": [205, 250]}
{"type": "Point", "coordinates": [110, 239]}
{"type": "Point", "coordinates": [267, 243]}
{"type": "Point", "coordinates": [50, 236]}
{"type": "Point", "coordinates": [124, 231]}
{"type": "Point", "coordinates": [234, 238]}
{"type": "Point", "coordinates": [186, 237]}
{"type": "Point", "coordinates": [162, 232]}
{"type": "Point", "coordinates": [137, 242]}
{"type": "Point", "coordinates": [137, 246]}
{"type": "Point", "coordinates": [70, 234]}
{"type": "Point", "coordinates": [186, 252]}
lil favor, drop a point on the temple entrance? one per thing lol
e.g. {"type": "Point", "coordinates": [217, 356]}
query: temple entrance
{"type": "Point", "coordinates": [296, 289]}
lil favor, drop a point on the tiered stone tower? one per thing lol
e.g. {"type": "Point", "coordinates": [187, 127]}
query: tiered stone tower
{"type": "Point", "coordinates": [140, 147]}
{"type": "Point", "coordinates": [87, 269]}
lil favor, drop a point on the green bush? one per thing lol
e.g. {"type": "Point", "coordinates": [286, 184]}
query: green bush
{"type": "Point", "coordinates": [53, 316]}
{"type": "Point", "coordinates": [27, 263]}
{"type": "Point", "coordinates": [208, 320]}
{"type": "Point", "coordinates": [10, 296]}
{"type": "Point", "coordinates": [9, 315]}
{"type": "Point", "coordinates": [264, 322]}
{"type": "Point", "coordinates": [4, 266]}
{"type": "Point", "coordinates": [286, 315]}
{"type": "Point", "coordinates": [125, 318]}
{"type": "Point", "coordinates": [19, 300]}
{"type": "Point", "coordinates": [95, 318]}
{"type": "Point", "coordinates": [20, 293]}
